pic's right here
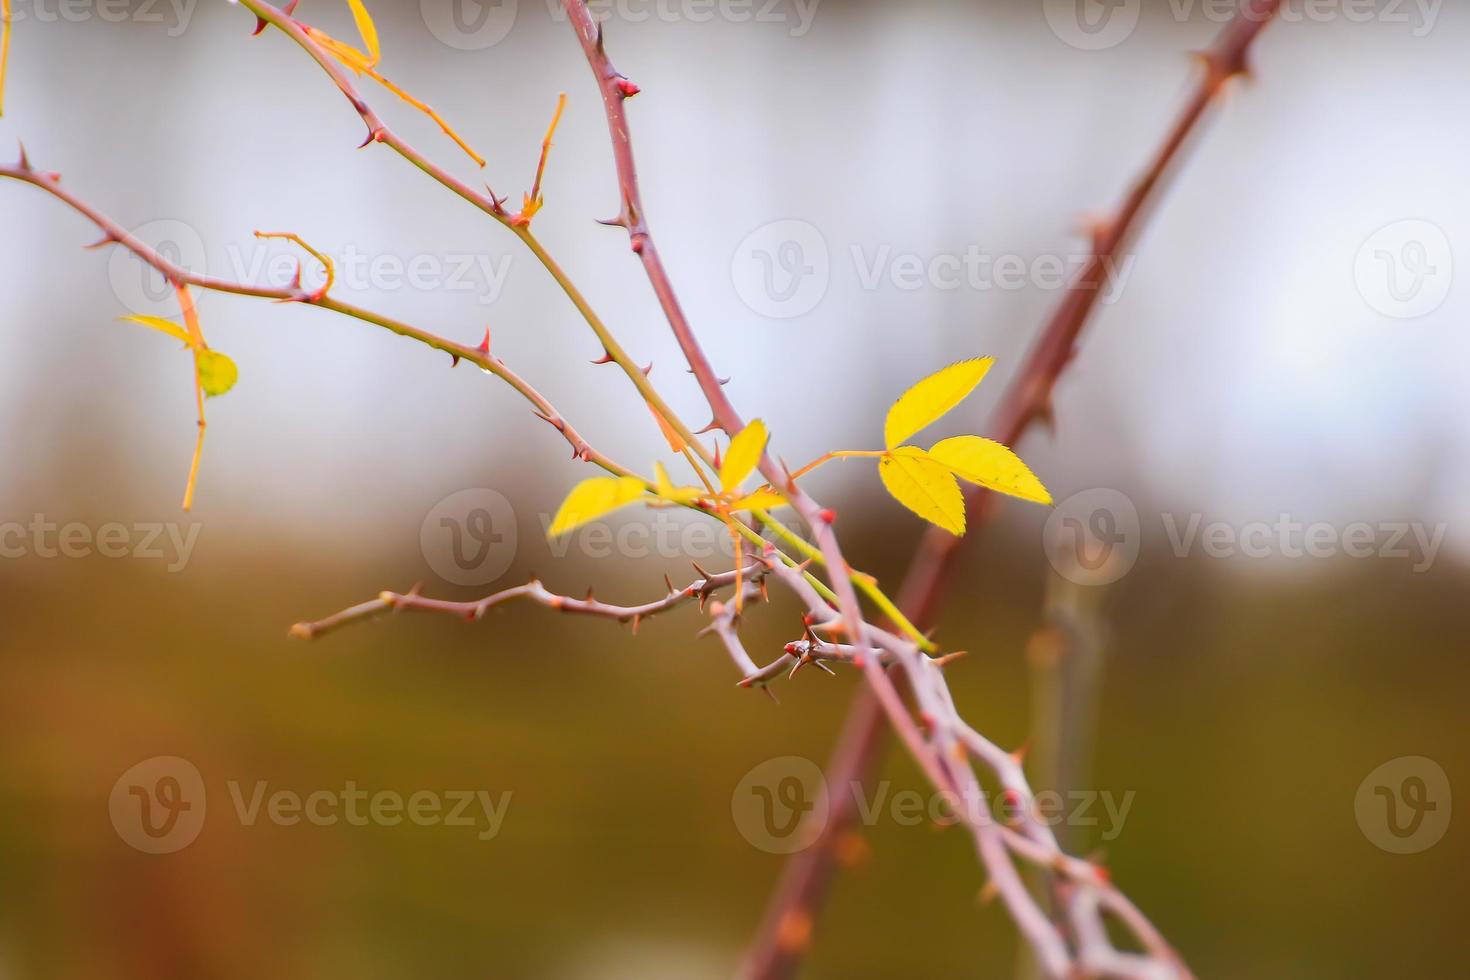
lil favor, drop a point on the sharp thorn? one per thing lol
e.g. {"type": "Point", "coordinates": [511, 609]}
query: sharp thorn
{"type": "Point", "coordinates": [647, 370]}
{"type": "Point", "coordinates": [770, 693]}
{"type": "Point", "coordinates": [104, 240]}
{"type": "Point", "coordinates": [723, 381]}
{"type": "Point", "coordinates": [713, 425]}
{"type": "Point", "coordinates": [484, 347]}
{"type": "Point", "coordinates": [454, 360]}
{"type": "Point", "coordinates": [25, 161]}
{"type": "Point", "coordinates": [260, 26]}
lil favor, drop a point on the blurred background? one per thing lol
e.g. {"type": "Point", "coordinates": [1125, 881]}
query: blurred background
{"type": "Point", "coordinates": [1267, 417]}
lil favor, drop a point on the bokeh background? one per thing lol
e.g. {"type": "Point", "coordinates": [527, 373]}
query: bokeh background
{"type": "Point", "coordinates": [1251, 367]}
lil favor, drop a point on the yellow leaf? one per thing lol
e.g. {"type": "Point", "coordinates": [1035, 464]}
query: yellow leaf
{"type": "Point", "coordinates": [217, 373]}
{"type": "Point", "coordinates": [665, 488]}
{"type": "Point", "coordinates": [162, 326]}
{"type": "Point", "coordinates": [345, 53]}
{"type": "Point", "coordinates": [366, 28]}
{"type": "Point", "coordinates": [593, 498]}
{"type": "Point", "coordinates": [4, 48]}
{"type": "Point", "coordinates": [928, 400]}
{"type": "Point", "coordinates": [990, 464]}
{"type": "Point", "coordinates": [766, 499]}
{"type": "Point", "coordinates": [924, 486]}
{"type": "Point", "coordinates": [743, 455]}
{"type": "Point", "coordinates": [671, 436]}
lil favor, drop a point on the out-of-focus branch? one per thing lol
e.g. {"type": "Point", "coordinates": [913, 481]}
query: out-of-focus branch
{"type": "Point", "coordinates": [700, 589]}
{"type": "Point", "coordinates": [480, 356]}
{"type": "Point", "coordinates": [804, 880]}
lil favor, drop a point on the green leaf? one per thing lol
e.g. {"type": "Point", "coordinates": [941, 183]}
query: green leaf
{"type": "Point", "coordinates": [594, 498]}
{"type": "Point", "coordinates": [217, 373]}
{"type": "Point", "coordinates": [990, 464]}
{"type": "Point", "coordinates": [162, 326]}
{"type": "Point", "coordinates": [925, 486]}
{"type": "Point", "coordinates": [743, 455]}
{"type": "Point", "coordinates": [931, 398]}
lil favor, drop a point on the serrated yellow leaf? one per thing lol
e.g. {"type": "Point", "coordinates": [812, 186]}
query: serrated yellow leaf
{"type": "Point", "coordinates": [990, 464]}
{"type": "Point", "coordinates": [217, 373]}
{"type": "Point", "coordinates": [162, 326]}
{"type": "Point", "coordinates": [594, 498]}
{"type": "Point", "coordinates": [925, 486]}
{"type": "Point", "coordinates": [366, 28]}
{"type": "Point", "coordinates": [928, 400]}
{"type": "Point", "coordinates": [665, 488]}
{"type": "Point", "coordinates": [743, 455]}
{"type": "Point", "coordinates": [765, 499]}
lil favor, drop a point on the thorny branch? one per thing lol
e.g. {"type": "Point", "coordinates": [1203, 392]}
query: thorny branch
{"type": "Point", "coordinates": [782, 940]}
{"type": "Point", "coordinates": [936, 749]}
{"type": "Point", "coordinates": [940, 741]}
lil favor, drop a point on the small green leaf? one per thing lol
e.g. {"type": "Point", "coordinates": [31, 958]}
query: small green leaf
{"type": "Point", "coordinates": [217, 373]}
{"type": "Point", "coordinates": [162, 326]}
